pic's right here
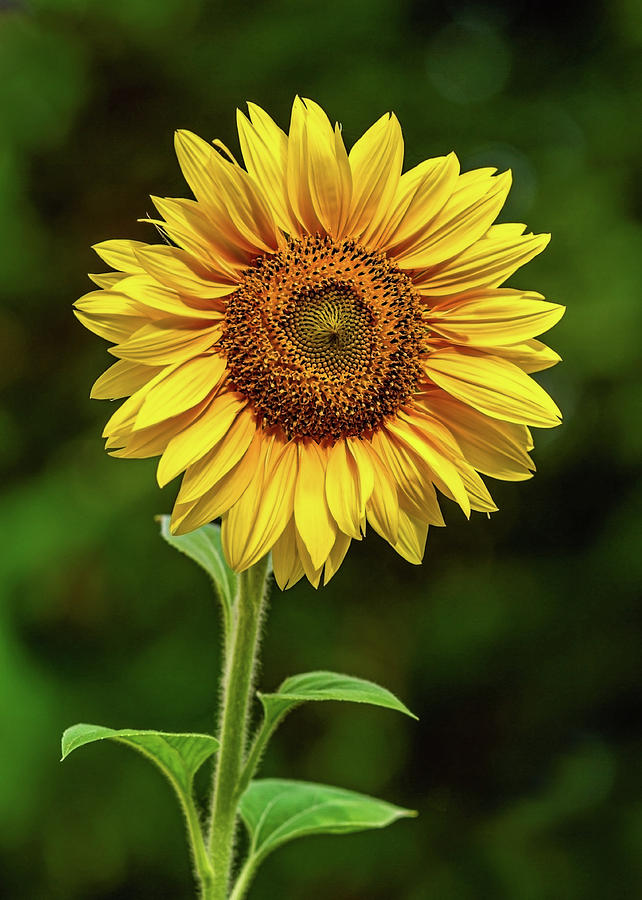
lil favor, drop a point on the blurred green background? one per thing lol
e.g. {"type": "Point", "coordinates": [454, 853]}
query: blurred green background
{"type": "Point", "coordinates": [517, 642]}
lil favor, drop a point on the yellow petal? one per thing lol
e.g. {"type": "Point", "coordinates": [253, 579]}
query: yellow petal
{"type": "Point", "coordinates": [265, 150]}
{"type": "Point", "coordinates": [375, 163]}
{"type": "Point", "coordinates": [412, 476]}
{"type": "Point", "coordinates": [328, 170]}
{"type": "Point", "coordinates": [531, 356]}
{"type": "Point", "coordinates": [231, 198]}
{"type": "Point", "coordinates": [121, 255]}
{"type": "Point", "coordinates": [439, 459]}
{"type": "Point", "coordinates": [161, 301]}
{"type": "Point", "coordinates": [493, 447]}
{"type": "Point", "coordinates": [361, 452]}
{"type": "Point", "coordinates": [125, 415]}
{"type": "Point", "coordinates": [311, 573]}
{"type": "Point", "coordinates": [151, 441]}
{"type": "Point", "coordinates": [186, 222]}
{"type": "Point", "coordinates": [109, 314]}
{"type": "Point", "coordinates": [107, 280]}
{"type": "Point", "coordinates": [191, 514]}
{"type": "Point", "coordinates": [122, 379]}
{"type": "Point", "coordinates": [312, 517]}
{"type": "Point", "coordinates": [336, 557]}
{"type": "Point", "coordinates": [109, 303]}
{"type": "Point", "coordinates": [201, 476]}
{"type": "Point", "coordinates": [173, 268]}
{"type": "Point", "coordinates": [488, 263]}
{"type": "Point", "coordinates": [114, 328]}
{"type": "Point", "coordinates": [493, 318]}
{"type": "Point", "coordinates": [144, 444]}
{"type": "Point", "coordinates": [181, 389]}
{"type": "Point", "coordinates": [259, 517]}
{"type": "Point", "coordinates": [411, 544]}
{"type": "Point", "coordinates": [298, 180]}
{"type": "Point", "coordinates": [467, 179]}
{"type": "Point", "coordinates": [478, 495]}
{"type": "Point", "coordinates": [464, 218]}
{"type": "Point", "coordinates": [342, 490]}
{"type": "Point", "coordinates": [345, 177]}
{"type": "Point", "coordinates": [382, 507]}
{"type": "Point", "coordinates": [442, 453]}
{"type": "Point", "coordinates": [422, 192]}
{"type": "Point", "coordinates": [492, 385]}
{"type": "Point", "coordinates": [225, 149]}
{"type": "Point", "coordinates": [197, 439]}
{"type": "Point", "coordinates": [161, 343]}
{"type": "Point", "coordinates": [285, 558]}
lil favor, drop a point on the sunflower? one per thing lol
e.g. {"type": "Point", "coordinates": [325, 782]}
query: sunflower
{"type": "Point", "coordinates": [323, 341]}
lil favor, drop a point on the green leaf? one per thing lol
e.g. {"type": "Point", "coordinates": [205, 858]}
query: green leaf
{"type": "Point", "coordinates": [276, 811]}
{"type": "Point", "coordinates": [327, 686]}
{"type": "Point", "coordinates": [204, 547]}
{"type": "Point", "coordinates": [178, 756]}
{"type": "Point", "coordinates": [312, 686]}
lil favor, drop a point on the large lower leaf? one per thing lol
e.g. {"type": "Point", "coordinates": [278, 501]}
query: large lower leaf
{"type": "Point", "coordinates": [204, 547]}
{"type": "Point", "coordinates": [328, 686]}
{"type": "Point", "coordinates": [276, 811]}
{"type": "Point", "coordinates": [178, 756]}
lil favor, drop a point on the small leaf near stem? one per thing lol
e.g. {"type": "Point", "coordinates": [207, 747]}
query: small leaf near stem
{"type": "Point", "coordinates": [324, 685]}
{"type": "Point", "coordinates": [307, 687]}
{"type": "Point", "coordinates": [242, 645]}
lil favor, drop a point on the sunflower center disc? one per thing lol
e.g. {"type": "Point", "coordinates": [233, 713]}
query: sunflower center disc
{"type": "Point", "coordinates": [329, 325]}
{"type": "Point", "coordinates": [324, 339]}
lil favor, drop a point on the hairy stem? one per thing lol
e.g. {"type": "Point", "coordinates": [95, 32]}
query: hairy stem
{"type": "Point", "coordinates": [242, 646]}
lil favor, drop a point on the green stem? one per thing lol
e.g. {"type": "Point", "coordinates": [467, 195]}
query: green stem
{"type": "Point", "coordinates": [237, 686]}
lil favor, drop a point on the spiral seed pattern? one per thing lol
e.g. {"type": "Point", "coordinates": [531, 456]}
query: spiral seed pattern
{"type": "Point", "coordinates": [324, 339]}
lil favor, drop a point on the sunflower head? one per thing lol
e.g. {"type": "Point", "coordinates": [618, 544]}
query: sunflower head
{"type": "Point", "coordinates": [324, 338]}
{"type": "Point", "coordinates": [322, 342]}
